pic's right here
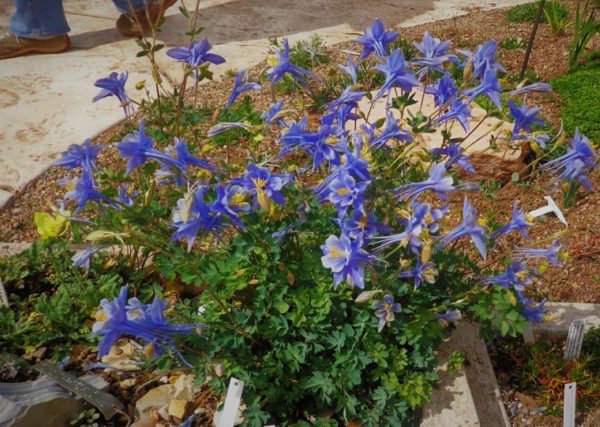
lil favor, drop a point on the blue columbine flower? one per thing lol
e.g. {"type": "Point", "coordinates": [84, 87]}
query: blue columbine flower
{"type": "Point", "coordinates": [351, 69]}
{"type": "Point", "coordinates": [438, 182]}
{"type": "Point", "coordinates": [240, 86]}
{"type": "Point", "coordinates": [348, 98]}
{"type": "Point", "coordinates": [537, 87]}
{"type": "Point", "coordinates": [449, 316]}
{"type": "Point", "coordinates": [346, 259]}
{"type": "Point", "coordinates": [195, 55]}
{"type": "Point", "coordinates": [483, 59]}
{"type": "Point", "coordinates": [468, 227]}
{"type": "Point", "coordinates": [489, 87]}
{"type": "Point", "coordinates": [192, 216]}
{"type": "Point", "coordinates": [84, 191]}
{"type": "Point", "coordinates": [534, 312]}
{"type": "Point", "coordinates": [580, 157]}
{"type": "Point", "coordinates": [376, 39]}
{"type": "Point", "coordinates": [83, 156]}
{"type": "Point", "coordinates": [327, 144]}
{"type": "Point", "coordinates": [577, 171]}
{"type": "Point", "coordinates": [177, 169]}
{"type": "Point", "coordinates": [524, 118]}
{"type": "Point", "coordinates": [361, 225]}
{"type": "Point", "coordinates": [444, 91]}
{"type": "Point", "coordinates": [459, 111]}
{"type": "Point", "coordinates": [423, 218]}
{"type": "Point", "coordinates": [144, 321]}
{"type": "Point", "coordinates": [126, 195]}
{"type": "Point", "coordinates": [353, 164]}
{"type": "Point", "coordinates": [179, 149]}
{"type": "Point", "coordinates": [230, 202]}
{"type": "Point", "coordinates": [223, 127]}
{"type": "Point", "coordinates": [455, 156]}
{"type": "Point", "coordinates": [396, 74]}
{"type": "Point", "coordinates": [285, 66]}
{"type": "Point", "coordinates": [344, 191]}
{"type": "Point", "coordinates": [391, 131]}
{"type": "Point", "coordinates": [83, 258]}
{"type": "Point", "coordinates": [421, 273]}
{"type": "Point", "coordinates": [385, 310]}
{"type": "Point", "coordinates": [138, 148]}
{"type": "Point", "coordinates": [434, 54]}
{"type": "Point", "coordinates": [539, 138]}
{"type": "Point", "coordinates": [273, 114]}
{"type": "Point", "coordinates": [262, 184]}
{"type": "Point", "coordinates": [551, 253]}
{"type": "Point", "coordinates": [518, 222]}
{"type": "Point", "coordinates": [114, 85]}
{"type": "Point", "coordinates": [516, 276]}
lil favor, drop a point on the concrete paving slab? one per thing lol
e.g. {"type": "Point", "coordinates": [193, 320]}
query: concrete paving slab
{"type": "Point", "coordinates": [452, 402]}
{"type": "Point", "coordinates": [45, 100]}
{"type": "Point", "coordinates": [562, 314]}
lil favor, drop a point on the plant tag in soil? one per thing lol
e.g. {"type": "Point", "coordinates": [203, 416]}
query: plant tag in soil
{"type": "Point", "coordinates": [569, 405]}
{"type": "Point", "coordinates": [106, 403]}
{"type": "Point", "coordinates": [233, 398]}
{"type": "Point", "coordinates": [528, 336]}
{"type": "Point", "coordinates": [574, 340]}
{"type": "Point", "coordinates": [3, 296]}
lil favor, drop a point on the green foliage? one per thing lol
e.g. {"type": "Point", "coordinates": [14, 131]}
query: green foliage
{"type": "Point", "coordinates": [512, 43]}
{"type": "Point", "coordinates": [257, 271]}
{"type": "Point", "coordinates": [307, 54]}
{"type": "Point", "coordinates": [530, 76]}
{"type": "Point", "coordinates": [303, 347]}
{"type": "Point", "coordinates": [239, 112]}
{"type": "Point", "coordinates": [406, 46]}
{"type": "Point", "coordinates": [585, 28]}
{"type": "Point", "coordinates": [52, 302]}
{"type": "Point", "coordinates": [579, 92]}
{"type": "Point", "coordinates": [591, 348]}
{"type": "Point", "coordinates": [87, 418]}
{"type": "Point", "coordinates": [528, 12]}
{"type": "Point", "coordinates": [555, 15]}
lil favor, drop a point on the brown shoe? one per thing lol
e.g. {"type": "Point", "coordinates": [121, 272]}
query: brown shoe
{"type": "Point", "coordinates": [12, 46]}
{"type": "Point", "coordinates": [136, 24]}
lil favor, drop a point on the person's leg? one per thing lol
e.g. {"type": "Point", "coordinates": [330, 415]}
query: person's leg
{"type": "Point", "coordinates": [38, 18]}
{"type": "Point", "coordinates": [37, 26]}
{"type": "Point", "coordinates": [127, 6]}
{"type": "Point", "coordinates": [145, 15]}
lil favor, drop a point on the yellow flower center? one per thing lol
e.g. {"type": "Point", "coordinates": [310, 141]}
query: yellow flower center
{"type": "Point", "coordinates": [336, 252]}
{"type": "Point", "coordinates": [429, 275]}
{"type": "Point", "coordinates": [521, 275]}
{"type": "Point", "coordinates": [259, 183]}
{"type": "Point", "coordinates": [271, 61]}
{"type": "Point", "coordinates": [343, 192]}
{"type": "Point", "coordinates": [332, 140]}
{"type": "Point", "coordinates": [363, 221]}
{"type": "Point", "coordinates": [238, 199]}
{"type": "Point", "coordinates": [389, 316]}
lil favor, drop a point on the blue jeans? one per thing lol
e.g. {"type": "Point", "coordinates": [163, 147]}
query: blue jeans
{"type": "Point", "coordinates": [35, 18]}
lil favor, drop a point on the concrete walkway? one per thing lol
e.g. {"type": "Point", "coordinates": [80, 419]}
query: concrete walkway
{"type": "Point", "coordinates": [45, 101]}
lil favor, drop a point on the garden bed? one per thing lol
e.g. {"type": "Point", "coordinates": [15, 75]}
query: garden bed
{"type": "Point", "coordinates": [532, 376]}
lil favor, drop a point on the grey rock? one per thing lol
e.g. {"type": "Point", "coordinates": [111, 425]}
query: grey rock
{"type": "Point", "coordinates": [40, 403]}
